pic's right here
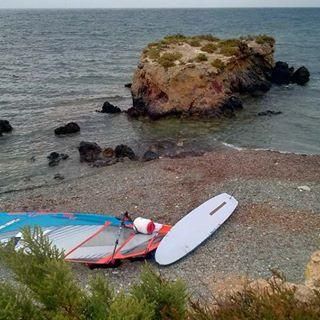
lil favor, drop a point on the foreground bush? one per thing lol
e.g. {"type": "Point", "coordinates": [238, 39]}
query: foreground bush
{"type": "Point", "coordinates": [45, 288]}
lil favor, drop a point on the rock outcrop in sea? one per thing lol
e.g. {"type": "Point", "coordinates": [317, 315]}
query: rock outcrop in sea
{"type": "Point", "coordinates": [200, 75]}
{"type": "Point", "coordinates": [69, 128]}
{"type": "Point", "coordinates": [110, 108]}
{"type": "Point", "coordinates": [5, 127]}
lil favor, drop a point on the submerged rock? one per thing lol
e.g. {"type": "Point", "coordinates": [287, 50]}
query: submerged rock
{"type": "Point", "coordinates": [58, 176]}
{"type": "Point", "coordinates": [5, 127]}
{"type": "Point", "coordinates": [122, 151]}
{"type": "Point", "coordinates": [69, 128]}
{"type": "Point", "coordinates": [110, 108]}
{"type": "Point", "coordinates": [269, 113]}
{"type": "Point", "coordinates": [150, 155]}
{"type": "Point", "coordinates": [89, 151]}
{"type": "Point", "coordinates": [301, 76]}
{"type": "Point", "coordinates": [55, 158]}
{"type": "Point", "coordinates": [175, 77]}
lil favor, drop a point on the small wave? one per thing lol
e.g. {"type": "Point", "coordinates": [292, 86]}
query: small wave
{"type": "Point", "coordinates": [232, 146]}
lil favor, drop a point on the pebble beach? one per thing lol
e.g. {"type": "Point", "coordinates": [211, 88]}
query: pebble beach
{"type": "Point", "coordinates": [276, 225]}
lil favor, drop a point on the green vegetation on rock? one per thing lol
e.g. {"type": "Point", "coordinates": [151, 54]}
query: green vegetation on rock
{"type": "Point", "coordinates": [201, 57]}
{"type": "Point", "coordinates": [168, 59]}
{"type": "Point", "coordinates": [263, 38]}
{"type": "Point", "coordinates": [218, 64]}
{"type": "Point", "coordinates": [209, 47]}
{"type": "Point", "coordinates": [161, 51]}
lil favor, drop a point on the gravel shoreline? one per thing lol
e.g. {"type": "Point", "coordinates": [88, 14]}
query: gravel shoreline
{"type": "Point", "coordinates": [276, 225]}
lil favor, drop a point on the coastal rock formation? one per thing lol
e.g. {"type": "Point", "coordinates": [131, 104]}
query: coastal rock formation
{"type": "Point", "coordinates": [5, 127]}
{"type": "Point", "coordinates": [110, 108]}
{"type": "Point", "coordinates": [69, 128]}
{"type": "Point", "coordinates": [200, 75]}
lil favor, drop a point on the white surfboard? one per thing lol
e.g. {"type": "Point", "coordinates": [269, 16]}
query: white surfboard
{"type": "Point", "coordinates": [195, 228]}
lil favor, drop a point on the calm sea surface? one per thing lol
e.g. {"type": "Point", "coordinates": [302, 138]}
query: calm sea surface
{"type": "Point", "coordinates": [61, 65]}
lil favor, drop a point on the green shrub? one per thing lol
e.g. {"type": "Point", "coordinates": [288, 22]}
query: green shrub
{"type": "Point", "coordinates": [168, 59]}
{"type": "Point", "coordinates": [209, 47]}
{"type": "Point", "coordinates": [208, 37]}
{"type": "Point", "coordinates": [201, 57]}
{"type": "Point", "coordinates": [277, 304]}
{"type": "Point", "coordinates": [97, 305]}
{"type": "Point", "coordinates": [194, 43]}
{"type": "Point", "coordinates": [263, 38]}
{"type": "Point", "coordinates": [218, 64]}
{"type": "Point", "coordinates": [229, 47]}
{"type": "Point", "coordinates": [174, 38]}
{"type": "Point", "coordinates": [16, 304]}
{"type": "Point", "coordinates": [168, 298]}
{"type": "Point", "coordinates": [130, 307]}
{"type": "Point", "coordinates": [47, 290]}
{"type": "Point", "coordinates": [154, 53]}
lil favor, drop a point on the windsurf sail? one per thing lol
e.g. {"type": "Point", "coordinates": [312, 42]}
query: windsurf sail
{"type": "Point", "coordinates": [84, 237]}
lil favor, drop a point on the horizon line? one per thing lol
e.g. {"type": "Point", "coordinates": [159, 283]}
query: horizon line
{"type": "Point", "coordinates": [153, 8]}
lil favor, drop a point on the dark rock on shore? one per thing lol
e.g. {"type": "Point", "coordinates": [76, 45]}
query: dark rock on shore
{"type": "Point", "coordinates": [55, 157]}
{"type": "Point", "coordinates": [123, 151]}
{"type": "Point", "coordinates": [269, 113]}
{"type": "Point", "coordinates": [128, 85]}
{"type": "Point", "coordinates": [5, 127]}
{"type": "Point", "coordinates": [89, 151]}
{"type": "Point", "coordinates": [301, 76]}
{"type": "Point", "coordinates": [150, 155]}
{"type": "Point", "coordinates": [69, 128]}
{"type": "Point", "coordinates": [110, 108]}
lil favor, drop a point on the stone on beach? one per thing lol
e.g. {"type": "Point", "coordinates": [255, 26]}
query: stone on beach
{"type": "Point", "coordinates": [69, 128]}
{"type": "Point", "coordinates": [122, 151]}
{"type": "Point", "coordinates": [89, 151]}
{"type": "Point", "coordinates": [150, 155]}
